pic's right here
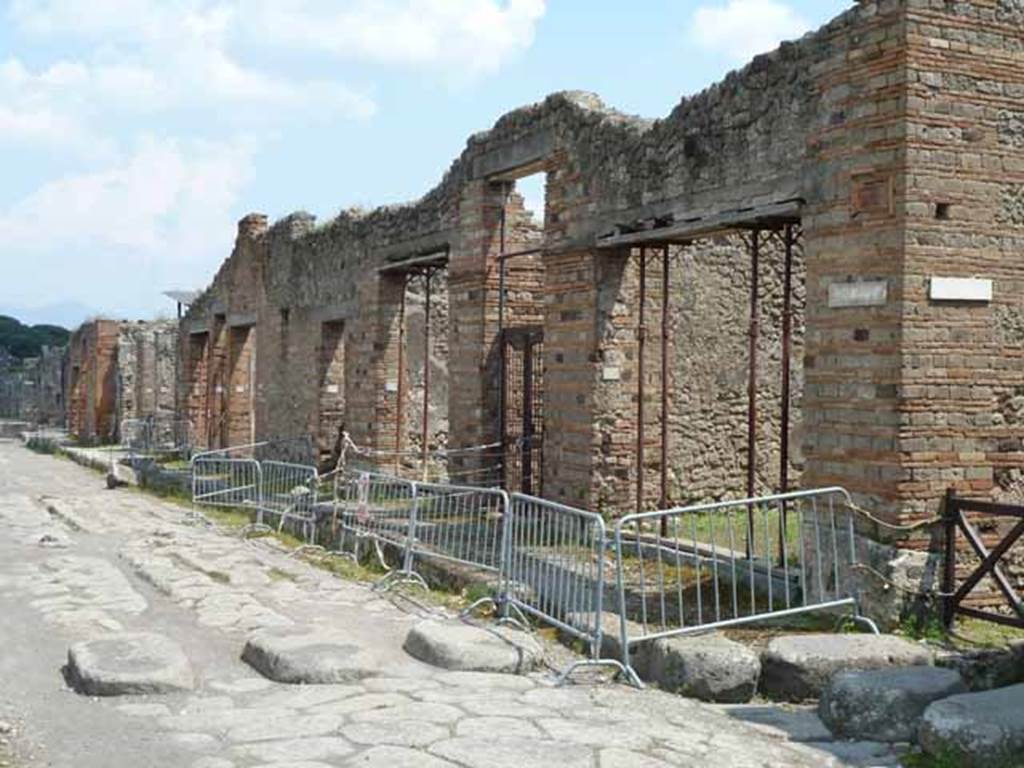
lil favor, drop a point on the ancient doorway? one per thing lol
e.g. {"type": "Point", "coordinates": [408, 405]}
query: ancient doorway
{"type": "Point", "coordinates": [331, 388]}
{"type": "Point", "coordinates": [523, 408]}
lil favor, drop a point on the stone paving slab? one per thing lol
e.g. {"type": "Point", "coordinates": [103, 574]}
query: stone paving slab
{"type": "Point", "coordinates": [308, 656]}
{"type": "Point", "coordinates": [127, 664]}
{"type": "Point", "coordinates": [977, 729]}
{"type": "Point", "coordinates": [798, 667]}
{"type": "Point", "coordinates": [463, 647]}
{"type": "Point", "coordinates": [707, 667]}
{"type": "Point", "coordinates": [885, 704]}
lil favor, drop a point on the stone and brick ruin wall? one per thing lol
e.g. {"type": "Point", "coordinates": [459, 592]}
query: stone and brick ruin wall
{"type": "Point", "coordinates": [892, 137]}
{"type": "Point", "coordinates": [147, 371]}
{"type": "Point", "coordinates": [117, 371]}
{"type": "Point", "coordinates": [90, 381]}
{"type": "Point", "coordinates": [32, 390]}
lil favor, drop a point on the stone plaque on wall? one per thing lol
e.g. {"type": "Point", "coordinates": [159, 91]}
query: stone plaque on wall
{"type": "Point", "coordinates": [864, 293]}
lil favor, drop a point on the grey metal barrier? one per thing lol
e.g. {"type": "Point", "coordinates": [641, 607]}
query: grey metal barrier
{"type": "Point", "coordinates": [556, 565]}
{"type": "Point", "coordinates": [460, 524]}
{"type": "Point", "coordinates": [375, 508]}
{"type": "Point", "coordinates": [697, 568]}
{"type": "Point", "coordinates": [476, 465]}
{"type": "Point", "coordinates": [225, 481]}
{"type": "Point", "coordinates": [289, 492]}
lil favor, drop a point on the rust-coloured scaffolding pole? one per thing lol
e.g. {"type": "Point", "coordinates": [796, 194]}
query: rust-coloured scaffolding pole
{"type": "Point", "coordinates": [663, 496]}
{"type": "Point", "coordinates": [755, 332]}
{"type": "Point", "coordinates": [641, 344]}
{"type": "Point", "coordinates": [502, 360]}
{"type": "Point", "coordinates": [787, 335]}
{"type": "Point", "coordinates": [400, 388]}
{"type": "Point", "coordinates": [755, 328]}
{"type": "Point", "coordinates": [427, 277]}
{"type": "Point", "coordinates": [528, 395]}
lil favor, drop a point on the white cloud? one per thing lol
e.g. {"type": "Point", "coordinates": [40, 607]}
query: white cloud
{"type": "Point", "coordinates": [467, 37]}
{"type": "Point", "coordinates": [741, 29]}
{"type": "Point", "coordinates": [461, 36]}
{"type": "Point", "coordinates": [137, 204]}
{"type": "Point", "coordinates": [140, 201]}
{"type": "Point", "coordinates": [159, 217]}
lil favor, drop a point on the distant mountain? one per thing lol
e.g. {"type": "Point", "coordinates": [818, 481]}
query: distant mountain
{"type": "Point", "coordinates": [27, 340]}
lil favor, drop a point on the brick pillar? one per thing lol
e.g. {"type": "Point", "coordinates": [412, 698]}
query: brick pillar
{"type": "Point", "coordinates": [963, 361]}
{"type": "Point", "coordinates": [588, 448]}
{"type": "Point", "coordinates": [473, 306]}
{"type": "Point", "coordinates": [372, 409]}
{"type": "Point", "coordinates": [854, 245]}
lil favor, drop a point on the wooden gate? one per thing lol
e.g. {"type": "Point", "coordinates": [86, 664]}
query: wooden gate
{"type": "Point", "coordinates": [983, 525]}
{"type": "Point", "coordinates": [523, 409]}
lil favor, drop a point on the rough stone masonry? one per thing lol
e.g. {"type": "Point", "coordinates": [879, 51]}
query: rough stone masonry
{"type": "Point", "coordinates": [891, 141]}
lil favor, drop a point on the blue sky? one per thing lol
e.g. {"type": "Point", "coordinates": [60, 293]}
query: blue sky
{"type": "Point", "coordinates": [134, 133]}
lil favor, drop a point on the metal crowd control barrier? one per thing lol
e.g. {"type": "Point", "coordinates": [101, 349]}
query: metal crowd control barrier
{"type": "Point", "coordinates": [289, 492]}
{"type": "Point", "coordinates": [379, 509]}
{"type": "Point", "coordinates": [475, 465]}
{"type": "Point", "coordinates": [460, 524]}
{"type": "Point", "coordinates": [223, 481]}
{"type": "Point", "coordinates": [555, 568]}
{"type": "Point", "coordinates": [697, 568]}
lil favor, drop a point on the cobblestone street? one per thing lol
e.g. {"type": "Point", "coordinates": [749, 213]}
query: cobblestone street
{"type": "Point", "coordinates": [80, 561]}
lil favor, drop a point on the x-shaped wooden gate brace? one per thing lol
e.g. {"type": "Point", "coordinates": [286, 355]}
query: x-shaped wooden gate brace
{"type": "Point", "coordinates": [956, 513]}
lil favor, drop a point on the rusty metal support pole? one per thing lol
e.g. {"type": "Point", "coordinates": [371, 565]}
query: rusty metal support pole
{"type": "Point", "coordinates": [400, 386]}
{"type": "Point", "coordinates": [787, 367]}
{"type": "Point", "coordinates": [502, 360]}
{"type": "Point", "coordinates": [663, 496]}
{"type": "Point", "coordinates": [755, 329]}
{"type": "Point", "coordinates": [528, 395]}
{"type": "Point", "coordinates": [641, 345]}
{"type": "Point", "coordinates": [787, 374]}
{"type": "Point", "coordinates": [427, 276]}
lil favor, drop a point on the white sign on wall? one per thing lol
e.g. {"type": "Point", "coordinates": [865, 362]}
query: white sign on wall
{"type": "Point", "coordinates": [960, 289]}
{"type": "Point", "coordinates": [864, 293]}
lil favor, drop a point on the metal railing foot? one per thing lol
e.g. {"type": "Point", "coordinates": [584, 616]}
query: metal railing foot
{"type": "Point", "coordinates": [396, 579]}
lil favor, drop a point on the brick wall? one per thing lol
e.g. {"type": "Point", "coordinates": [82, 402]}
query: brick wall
{"type": "Point", "coordinates": [893, 134]}
{"type": "Point", "coordinates": [91, 381]}
{"type": "Point", "coordinates": [147, 366]}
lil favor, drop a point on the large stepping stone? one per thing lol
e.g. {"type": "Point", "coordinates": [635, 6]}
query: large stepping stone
{"type": "Point", "coordinates": [884, 704]}
{"type": "Point", "coordinates": [308, 656]}
{"type": "Point", "coordinates": [706, 667]}
{"type": "Point", "coordinates": [611, 639]}
{"type": "Point", "coordinates": [798, 667]}
{"type": "Point", "coordinates": [977, 729]}
{"type": "Point", "coordinates": [127, 664]}
{"type": "Point", "coordinates": [467, 648]}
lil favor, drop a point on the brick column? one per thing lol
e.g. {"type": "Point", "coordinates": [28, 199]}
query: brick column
{"type": "Point", "coordinates": [854, 241]}
{"type": "Point", "coordinates": [473, 307]}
